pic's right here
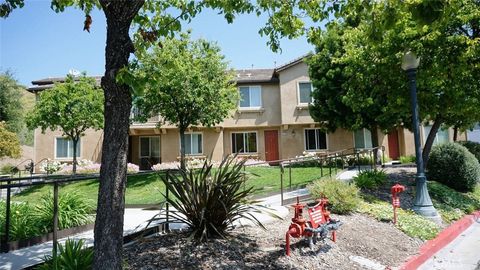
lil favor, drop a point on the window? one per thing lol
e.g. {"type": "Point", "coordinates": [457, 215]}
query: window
{"type": "Point", "coordinates": [363, 138]}
{"type": "Point", "coordinates": [250, 97]}
{"type": "Point", "coordinates": [193, 143]}
{"type": "Point", "coordinates": [440, 137]}
{"type": "Point", "coordinates": [149, 152]}
{"type": "Point", "coordinates": [245, 142]}
{"type": "Point", "coordinates": [64, 148]}
{"type": "Point", "coordinates": [305, 92]}
{"type": "Point", "coordinates": [315, 139]}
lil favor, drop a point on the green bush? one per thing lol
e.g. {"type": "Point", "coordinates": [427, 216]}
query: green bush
{"type": "Point", "coordinates": [23, 224]}
{"type": "Point", "coordinates": [73, 210]}
{"type": "Point", "coordinates": [410, 223]}
{"type": "Point", "coordinates": [454, 166]}
{"type": "Point", "coordinates": [209, 201]}
{"type": "Point", "coordinates": [343, 197]}
{"type": "Point", "coordinates": [473, 147]}
{"type": "Point", "coordinates": [7, 169]}
{"type": "Point", "coordinates": [72, 255]}
{"type": "Point", "coordinates": [407, 159]}
{"type": "Point", "coordinates": [370, 178]}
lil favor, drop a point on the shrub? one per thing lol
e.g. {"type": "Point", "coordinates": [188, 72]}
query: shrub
{"type": "Point", "coordinates": [454, 166]}
{"type": "Point", "coordinates": [132, 168]}
{"type": "Point", "coordinates": [209, 201]}
{"type": "Point", "coordinates": [73, 210]}
{"type": "Point", "coordinates": [72, 255]}
{"type": "Point", "coordinates": [370, 178]}
{"type": "Point", "coordinates": [343, 197]}
{"type": "Point", "coordinates": [473, 147]}
{"type": "Point", "coordinates": [7, 169]}
{"type": "Point", "coordinates": [22, 221]}
{"type": "Point", "coordinates": [407, 159]}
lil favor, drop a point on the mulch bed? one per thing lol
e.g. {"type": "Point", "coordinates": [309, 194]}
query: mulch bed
{"type": "Point", "coordinates": [255, 248]}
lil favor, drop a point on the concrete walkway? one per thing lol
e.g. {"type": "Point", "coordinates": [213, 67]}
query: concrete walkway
{"type": "Point", "coordinates": [462, 253]}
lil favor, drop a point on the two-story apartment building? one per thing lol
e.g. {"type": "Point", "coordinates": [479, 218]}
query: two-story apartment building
{"type": "Point", "coordinates": [271, 122]}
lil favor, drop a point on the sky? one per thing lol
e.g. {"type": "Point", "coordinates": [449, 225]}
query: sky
{"type": "Point", "coordinates": [38, 43]}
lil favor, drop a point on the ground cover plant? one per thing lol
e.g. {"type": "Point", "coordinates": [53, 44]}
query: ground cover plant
{"type": "Point", "coordinates": [73, 255]}
{"type": "Point", "coordinates": [454, 166]}
{"type": "Point", "coordinates": [407, 159]}
{"type": "Point", "coordinates": [22, 221]}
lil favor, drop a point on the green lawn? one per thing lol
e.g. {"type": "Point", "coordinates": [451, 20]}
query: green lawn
{"type": "Point", "coordinates": [148, 188]}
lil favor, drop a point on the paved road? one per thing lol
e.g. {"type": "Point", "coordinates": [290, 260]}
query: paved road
{"type": "Point", "coordinates": [463, 253]}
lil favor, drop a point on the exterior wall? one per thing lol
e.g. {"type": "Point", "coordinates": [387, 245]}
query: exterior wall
{"type": "Point", "coordinates": [90, 145]}
{"type": "Point", "coordinates": [292, 113]}
{"type": "Point", "coordinates": [268, 115]}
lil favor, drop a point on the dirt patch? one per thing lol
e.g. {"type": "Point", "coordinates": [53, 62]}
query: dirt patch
{"type": "Point", "coordinates": [254, 248]}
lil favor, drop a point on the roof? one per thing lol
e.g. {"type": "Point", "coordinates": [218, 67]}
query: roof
{"type": "Point", "coordinates": [46, 83]}
{"type": "Point", "coordinates": [256, 76]}
{"type": "Point", "coordinates": [293, 62]}
{"type": "Point", "coordinates": [243, 76]}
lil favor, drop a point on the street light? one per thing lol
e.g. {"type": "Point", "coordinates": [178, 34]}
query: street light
{"type": "Point", "coordinates": [423, 204]}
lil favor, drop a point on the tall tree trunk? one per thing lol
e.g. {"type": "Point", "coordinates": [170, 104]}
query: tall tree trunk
{"type": "Point", "coordinates": [455, 133]}
{"type": "Point", "coordinates": [430, 139]}
{"type": "Point", "coordinates": [182, 147]}
{"type": "Point", "coordinates": [74, 160]}
{"type": "Point", "coordinates": [374, 132]}
{"type": "Point", "coordinates": [118, 101]}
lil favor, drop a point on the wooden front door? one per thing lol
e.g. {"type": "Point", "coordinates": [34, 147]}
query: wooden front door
{"type": "Point", "coordinates": [393, 149]}
{"type": "Point", "coordinates": [271, 145]}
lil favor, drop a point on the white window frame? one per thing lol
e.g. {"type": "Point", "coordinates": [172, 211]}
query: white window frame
{"type": "Point", "coordinates": [305, 140]}
{"type": "Point", "coordinates": [180, 143]}
{"type": "Point", "coordinates": [298, 92]}
{"type": "Point", "coordinates": [249, 87]}
{"type": "Point", "coordinates": [66, 158]}
{"type": "Point", "coordinates": [364, 139]}
{"type": "Point", "coordinates": [243, 132]}
{"type": "Point", "coordinates": [149, 146]}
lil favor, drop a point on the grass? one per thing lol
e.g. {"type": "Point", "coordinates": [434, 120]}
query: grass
{"type": "Point", "coordinates": [148, 188]}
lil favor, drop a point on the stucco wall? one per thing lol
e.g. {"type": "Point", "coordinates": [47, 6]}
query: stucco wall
{"type": "Point", "coordinates": [90, 145]}
{"type": "Point", "coordinates": [289, 79]}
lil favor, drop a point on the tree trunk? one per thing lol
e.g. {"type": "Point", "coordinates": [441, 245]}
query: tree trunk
{"type": "Point", "coordinates": [74, 160]}
{"type": "Point", "coordinates": [118, 101]}
{"type": "Point", "coordinates": [374, 132]}
{"type": "Point", "coordinates": [430, 139]}
{"type": "Point", "coordinates": [455, 133]}
{"type": "Point", "coordinates": [182, 148]}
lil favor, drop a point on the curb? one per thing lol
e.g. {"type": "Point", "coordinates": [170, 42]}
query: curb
{"type": "Point", "coordinates": [429, 248]}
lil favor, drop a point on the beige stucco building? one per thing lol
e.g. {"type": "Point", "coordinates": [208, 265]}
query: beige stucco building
{"type": "Point", "coordinates": [271, 122]}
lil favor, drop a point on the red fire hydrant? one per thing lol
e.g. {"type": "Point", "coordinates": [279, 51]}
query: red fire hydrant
{"type": "Point", "coordinates": [396, 189]}
{"type": "Point", "coordinates": [318, 226]}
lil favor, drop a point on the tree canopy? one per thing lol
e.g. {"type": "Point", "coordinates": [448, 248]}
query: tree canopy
{"type": "Point", "coordinates": [9, 144]}
{"type": "Point", "coordinates": [73, 107]}
{"type": "Point", "coordinates": [186, 82]}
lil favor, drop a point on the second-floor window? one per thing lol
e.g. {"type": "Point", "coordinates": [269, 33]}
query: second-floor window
{"type": "Point", "coordinates": [64, 148]}
{"type": "Point", "coordinates": [250, 97]}
{"type": "Point", "coordinates": [315, 139]}
{"type": "Point", "coordinates": [193, 143]}
{"type": "Point", "coordinates": [244, 142]}
{"type": "Point", "coordinates": [363, 138]}
{"type": "Point", "coordinates": [305, 92]}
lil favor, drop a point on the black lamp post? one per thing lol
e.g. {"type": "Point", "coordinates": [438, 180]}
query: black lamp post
{"type": "Point", "coordinates": [423, 204]}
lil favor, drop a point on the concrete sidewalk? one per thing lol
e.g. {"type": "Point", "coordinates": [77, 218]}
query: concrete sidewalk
{"type": "Point", "coordinates": [462, 253]}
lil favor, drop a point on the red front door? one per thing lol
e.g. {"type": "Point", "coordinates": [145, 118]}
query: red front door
{"type": "Point", "coordinates": [271, 145]}
{"type": "Point", "coordinates": [393, 150]}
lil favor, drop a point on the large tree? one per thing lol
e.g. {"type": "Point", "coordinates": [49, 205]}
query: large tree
{"type": "Point", "coordinates": [186, 82]}
{"type": "Point", "coordinates": [11, 109]}
{"type": "Point", "coordinates": [72, 106]}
